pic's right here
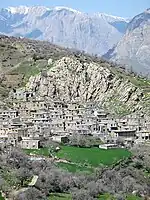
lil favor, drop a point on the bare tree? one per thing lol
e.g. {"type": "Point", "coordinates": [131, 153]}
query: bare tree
{"type": "Point", "coordinates": [31, 193]}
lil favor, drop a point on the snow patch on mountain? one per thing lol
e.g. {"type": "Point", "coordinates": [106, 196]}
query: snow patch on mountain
{"type": "Point", "coordinates": [20, 10]}
{"type": "Point", "coordinates": [58, 8]}
{"type": "Point", "coordinates": [92, 33]}
{"type": "Point", "coordinates": [111, 18]}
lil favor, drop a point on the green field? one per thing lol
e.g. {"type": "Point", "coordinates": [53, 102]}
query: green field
{"type": "Point", "coordinates": [92, 157]}
{"type": "Point", "coordinates": [84, 159]}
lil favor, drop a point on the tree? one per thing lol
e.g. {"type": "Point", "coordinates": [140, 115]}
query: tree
{"type": "Point", "coordinates": [93, 189]}
{"type": "Point", "coordinates": [18, 159]}
{"type": "Point", "coordinates": [1, 181]}
{"type": "Point", "coordinates": [82, 194]}
{"type": "Point", "coordinates": [23, 174]}
{"type": "Point", "coordinates": [31, 193]}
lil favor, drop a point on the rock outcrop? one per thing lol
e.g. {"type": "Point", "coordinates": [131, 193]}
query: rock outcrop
{"type": "Point", "coordinates": [71, 79]}
{"type": "Point", "coordinates": [54, 72]}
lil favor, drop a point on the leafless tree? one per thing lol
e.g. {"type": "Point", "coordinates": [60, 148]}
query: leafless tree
{"type": "Point", "coordinates": [31, 193]}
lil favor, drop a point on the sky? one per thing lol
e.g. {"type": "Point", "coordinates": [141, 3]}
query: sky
{"type": "Point", "coordinates": [123, 8]}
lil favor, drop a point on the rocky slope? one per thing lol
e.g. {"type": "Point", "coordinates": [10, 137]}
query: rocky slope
{"type": "Point", "coordinates": [54, 72]}
{"type": "Point", "coordinates": [71, 78]}
{"type": "Point", "coordinates": [134, 48]}
{"type": "Point", "coordinates": [95, 33]}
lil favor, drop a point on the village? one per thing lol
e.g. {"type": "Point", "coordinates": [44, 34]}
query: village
{"type": "Point", "coordinates": [32, 119]}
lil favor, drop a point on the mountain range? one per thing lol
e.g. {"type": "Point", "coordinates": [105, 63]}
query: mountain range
{"type": "Point", "coordinates": [121, 40]}
{"type": "Point", "coordinates": [95, 33]}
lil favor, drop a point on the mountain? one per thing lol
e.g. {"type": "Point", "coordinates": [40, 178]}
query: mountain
{"type": "Point", "coordinates": [95, 33]}
{"type": "Point", "coordinates": [54, 72]}
{"type": "Point", "coordinates": [134, 48]}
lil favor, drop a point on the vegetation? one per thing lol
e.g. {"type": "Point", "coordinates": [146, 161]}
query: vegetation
{"type": "Point", "coordinates": [132, 197]}
{"type": "Point", "coordinates": [84, 141]}
{"type": "Point", "coordinates": [22, 58]}
{"type": "Point", "coordinates": [84, 159]}
{"type": "Point", "coordinates": [112, 181]}
{"type": "Point", "coordinates": [26, 68]}
{"type": "Point", "coordinates": [60, 196]}
{"type": "Point", "coordinates": [92, 156]}
{"type": "Point", "coordinates": [111, 197]}
{"type": "Point", "coordinates": [41, 151]}
{"type": "Point", "coordinates": [106, 197]}
{"type": "Point", "coordinates": [78, 168]}
{"type": "Point", "coordinates": [1, 198]}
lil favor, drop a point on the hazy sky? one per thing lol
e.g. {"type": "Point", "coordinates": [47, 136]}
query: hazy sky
{"type": "Point", "coordinates": [124, 8]}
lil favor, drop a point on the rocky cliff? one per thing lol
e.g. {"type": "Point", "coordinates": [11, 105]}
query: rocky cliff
{"type": "Point", "coordinates": [71, 78]}
{"type": "Point", "coordinates": [134, 47]}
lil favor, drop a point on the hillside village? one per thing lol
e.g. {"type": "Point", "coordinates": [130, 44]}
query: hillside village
{"type": "Point", "coordinates": [56, 93]}
{"type": "Point", "coordinates": [74, 125]}
{"type": "Point", "coordinates": [33, 118]}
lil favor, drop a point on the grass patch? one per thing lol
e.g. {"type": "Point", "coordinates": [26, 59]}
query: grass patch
{"type": "Point", "coordinates": [110, 197]}
{"type": "Point", "coordinates": [106, 197]}
{"type": "Point", "coordinates": [93, 157]}
{"type": "Point", "coordinates": [132, 197]}
{"type": "Point", "coordinates": [75, 168]}
{"type": "Point", "coordinates": [60, 196]}
{"type": "Point", "coordinates": [27, 69]}
{"type": "Point", "coordinates": [84, 159]}
{"type": "Point", "coordinates": [135, 80]}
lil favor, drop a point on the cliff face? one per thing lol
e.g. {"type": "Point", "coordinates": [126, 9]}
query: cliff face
{"type": "Point", "coordinates": [93, 33]}
{"type": "Point", "coordinates": [72, 79]}
{"type": "Point", "coordinates": [134, 47]}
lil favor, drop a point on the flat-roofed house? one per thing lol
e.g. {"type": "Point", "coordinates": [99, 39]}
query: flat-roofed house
{"type": "Point", "coordinates": [29, 143]}
{"type": "Point", "coordinates": [124, 133]}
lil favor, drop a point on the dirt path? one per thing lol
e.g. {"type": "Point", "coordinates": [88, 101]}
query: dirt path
{"type": "Point", "coordinates": [32, 183]}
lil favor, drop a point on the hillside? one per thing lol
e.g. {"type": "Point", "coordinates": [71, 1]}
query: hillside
{"type": "Point", "coordinates": [94, 33]}
{"type": "Point", "coordinates": [54, 72]}
{"type": "Point", "coordinates": [134, 47]}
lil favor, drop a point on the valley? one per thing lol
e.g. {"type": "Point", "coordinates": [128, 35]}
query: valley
{"type": "Point", "coordinates": [74, 105]}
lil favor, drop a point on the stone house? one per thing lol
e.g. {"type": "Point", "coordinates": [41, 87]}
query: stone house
{"type": "Point", "coordinates": [29, 143]}
{"type": "Point", "coordinates": [60, 139]}
{"type": "Point", "coordinates": [124, 133]}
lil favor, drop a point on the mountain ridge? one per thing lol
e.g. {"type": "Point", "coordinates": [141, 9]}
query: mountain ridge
{"type": "Point", "coordinates": [25, 9]}
{"type": "Point", "coordinates": [93, 33]}
{"type": "Point", "coordinates": [133, 49]}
